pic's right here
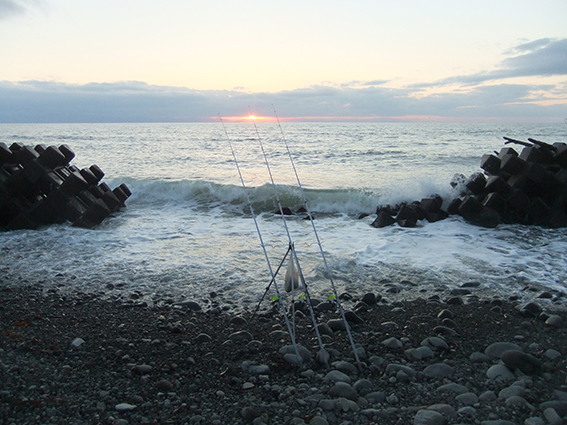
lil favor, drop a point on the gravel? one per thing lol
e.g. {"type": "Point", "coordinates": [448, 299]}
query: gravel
{"type": "Point", "coordinates": [83, 359]}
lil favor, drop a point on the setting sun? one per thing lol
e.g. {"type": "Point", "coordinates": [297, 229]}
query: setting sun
{"type": "Point", "coordinates": [250, 117]}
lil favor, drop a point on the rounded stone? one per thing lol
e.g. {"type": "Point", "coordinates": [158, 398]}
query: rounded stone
{"type": "Point", "coordinates": [428, 417]}
{"type": "Point", "coordinates": [527, 363]}
{"type": "Point", "coordinates": [363, 386]}
{"type": "Point", "coordinates": [142, 369]}
{"type": "Point", "coordinates": [552, 354]}
{"type": "Point", "coordinates": [164, 385]}
{"type": "Point", "coordinates": [435, 343]}
{"type": "Point", "coordinates": [202, 338]}
{"type": "Point", "coordinates": [453, 388]}
{"type": "Point", "coordinates": [425, 352]}
{"type": "Point", "coordinates": [369, 298]}
{"type": "Point", "coordinates": [318, 420]}
{"type": "Point", "coordinates": [467, 399]}
{"type": "Point", "coordinates": [125, 407]}
{"type": "Point", "coordinates": [394, 368]}
{"type": "Point", "coordinates": [554, 321]}
{"type": "Point", "coordinates": [495, 350]}
{"type": "Point", "coordinates": [303, 352]}
{"type": "Point", "coordinates": [499, 372]}
{"type": "Point", "coordinates": [336, 325]}
{"type": "Point", "coordinates": [338, 376]}
{"type": "Point", "coordinates": [445, 409]}
{"type": "Point", "coordinates": [342, 389]}
{"type": "Point", "coordinates": [346, 367]}
{"type": "Point", "coordinates": [438, 370]}
{"type": "Point", "coordinates": [241, 336]}
{"type": "Point", "coordinates": [393, 343]}
{"type": "Point", "coordinates": [512, 390]}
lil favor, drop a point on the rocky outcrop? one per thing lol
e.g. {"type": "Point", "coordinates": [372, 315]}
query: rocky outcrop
{"type": "Point", "coordinates": [526, 187]}
{"type": "Point", "coordinates": [38, 186]}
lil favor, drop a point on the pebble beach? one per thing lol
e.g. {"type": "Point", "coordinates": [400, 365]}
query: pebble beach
{"type": "Point", "coordinates": [447, 358]}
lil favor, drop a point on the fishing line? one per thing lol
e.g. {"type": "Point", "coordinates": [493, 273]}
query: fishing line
{"type": "Point", "coordinates": [291, 244]}
{"type": "Point", "coordinates": [292, 336]}
{"type": "Point", "coordinates": [318, 241]}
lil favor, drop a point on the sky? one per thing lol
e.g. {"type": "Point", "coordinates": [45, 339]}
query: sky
{"type": "Point", "coordinates": [355, 60]}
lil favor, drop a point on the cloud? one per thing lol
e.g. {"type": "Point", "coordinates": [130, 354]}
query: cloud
{"type": "Point", "coordinates": [544, 57]}
{"type": "Point", "coordinates": [40, 101]}
{"type": "Point", "coordinates": [11, 8]}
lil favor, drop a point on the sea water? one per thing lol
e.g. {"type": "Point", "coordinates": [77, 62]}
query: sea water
{"type": "Point", "coordinates": [188, 229]}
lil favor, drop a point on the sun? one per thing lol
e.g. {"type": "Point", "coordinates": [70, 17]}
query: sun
{"type": "Point", "coordinates": [251, 117]}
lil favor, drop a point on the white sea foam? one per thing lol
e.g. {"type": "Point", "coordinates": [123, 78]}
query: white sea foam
{"type": "Point", "coordinates": [188, 230]}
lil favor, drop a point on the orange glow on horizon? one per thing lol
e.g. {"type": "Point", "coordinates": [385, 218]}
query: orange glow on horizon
{"type": "Point", "coordinates": [250, 117]}
{"type": "Point", "coordinates": [375, 118]}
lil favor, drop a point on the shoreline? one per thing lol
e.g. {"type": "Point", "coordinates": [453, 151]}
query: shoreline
{"type": "Point", "coordinates": [81, 359]}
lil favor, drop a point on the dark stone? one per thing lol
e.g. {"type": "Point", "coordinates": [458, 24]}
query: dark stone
{"type": "Point", "coordinates": [445, 314]}
{"type": "Point", "coordinates": [352, 317]}
{"type": "Point", "coordinates": [560, 406]}
{"type": "Point", "coordinates": [336, 325]}
{"type": "Point", "coordinates": [526, 363]}
{"type": "Point", "coordinates": [444, 330]}
{"type": "Point", "coordinates": [455, 301]}
{"type": "Point", "coordinates": [285, 210]}
{"type": "Point", "coordinates": [531, 310]}
{"type": "Point", "coordinates": [369, 298]}
{"type": "Point", "coordinates": [470, 285]}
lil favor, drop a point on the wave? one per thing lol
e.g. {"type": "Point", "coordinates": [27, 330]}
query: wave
{"type": "Point", "coordinates": [203, 195]}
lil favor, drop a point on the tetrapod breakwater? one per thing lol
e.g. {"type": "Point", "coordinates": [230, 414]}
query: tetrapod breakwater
{"type": "Point", "coordinates": [527, 187]}
{"type": "Point", "coordinates": [39, 186]}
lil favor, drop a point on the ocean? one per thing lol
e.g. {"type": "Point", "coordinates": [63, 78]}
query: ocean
{"type": "Point", "coordinates": [187, 230]}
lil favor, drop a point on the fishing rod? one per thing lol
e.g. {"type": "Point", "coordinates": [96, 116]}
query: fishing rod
{"type": "Point", "coordinates": [292, 336]}
{"type": "Point", "coordinates": [291, 244]}
{"type": "Point", "coordinates": [269, 285]}
{"type": "Point", "coordinates": [318, 241]}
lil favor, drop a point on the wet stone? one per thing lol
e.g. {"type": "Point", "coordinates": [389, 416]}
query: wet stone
{"type": "Point", "coordinates": [554, 321]}
{"type": "Point", "coordinates": [241, 336]}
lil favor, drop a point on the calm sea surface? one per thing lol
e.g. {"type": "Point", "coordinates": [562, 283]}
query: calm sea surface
{"type": "Point", "coordinates": [187, 229]}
